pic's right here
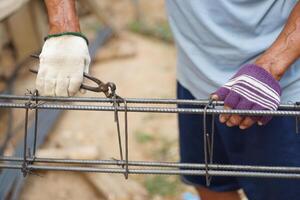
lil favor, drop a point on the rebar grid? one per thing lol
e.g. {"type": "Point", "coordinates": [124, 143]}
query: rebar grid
{"type": "Point", "coordinates": [30, 163]}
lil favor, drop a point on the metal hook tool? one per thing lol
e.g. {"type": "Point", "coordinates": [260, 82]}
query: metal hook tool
{"type": "Point", "coordinates": [107, 88]}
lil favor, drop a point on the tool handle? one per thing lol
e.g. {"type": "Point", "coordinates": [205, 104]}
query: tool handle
{"type": "Point", "coordinates": [107, 88]}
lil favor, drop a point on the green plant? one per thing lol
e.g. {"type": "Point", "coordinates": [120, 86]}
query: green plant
{"type": "Point", "coordinates": [143, 137]}
{"type": "Point", "coordinates": [162, 185]}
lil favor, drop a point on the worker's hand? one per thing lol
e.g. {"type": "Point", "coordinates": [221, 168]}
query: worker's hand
{"type": "Point", "coordinates": [251, 88]}
{"type": "Point", "coordinates": [63, 61]}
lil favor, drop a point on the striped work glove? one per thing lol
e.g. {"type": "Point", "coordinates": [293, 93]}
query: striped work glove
{"type": "Point", "coordinates": [251, 88]}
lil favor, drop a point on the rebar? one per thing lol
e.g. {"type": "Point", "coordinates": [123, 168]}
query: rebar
{"type": "Point", "coordinates": [155, 171]}
{"type": "Point", "coordinates": [29, 163]}
{"type": "Point", "coordinates": [203, 102]}
{"type": "Point", "coordinates": [155, 109]}
{"type": "Point", "coordinates": [152, 164]}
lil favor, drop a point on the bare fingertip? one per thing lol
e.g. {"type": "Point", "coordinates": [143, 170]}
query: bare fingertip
{"type": "Point", "coordinates": [229, 124]}
{"type": "Point", "coordinates": [214, 97]}
{"type": "Point", "coordinates": [82, 91]}
{"type": "Point", "coordinates": [222, 119]}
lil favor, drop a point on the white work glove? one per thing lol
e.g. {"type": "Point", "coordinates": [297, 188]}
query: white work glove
{"type": "Point", "coordinates": [63, 61]}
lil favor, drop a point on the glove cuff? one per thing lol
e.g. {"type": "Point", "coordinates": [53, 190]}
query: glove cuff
{"type": "Point", "coordinates": [78, 34]}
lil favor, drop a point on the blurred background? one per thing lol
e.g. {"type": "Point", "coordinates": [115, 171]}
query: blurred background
{"type": "Point", "coordinates": [132, 46]}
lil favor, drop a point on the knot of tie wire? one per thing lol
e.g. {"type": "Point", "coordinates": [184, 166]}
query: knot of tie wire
{"type": "Point", "coordinates": [33, 101]}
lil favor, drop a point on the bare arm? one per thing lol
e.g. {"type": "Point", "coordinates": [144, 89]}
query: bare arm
{"type": "Point", "coordinates": [286, 49]}
{"type": "Point", "coordinates": [62, 16]}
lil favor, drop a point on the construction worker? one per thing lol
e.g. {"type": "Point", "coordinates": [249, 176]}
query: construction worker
{"type": "Point", "coordinates": [243, 52]}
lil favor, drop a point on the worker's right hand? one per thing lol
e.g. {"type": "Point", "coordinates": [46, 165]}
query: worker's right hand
{"type": "Point", "coordinates": [251, 88]}
{"type": "Point", "coordinates": [63, 61]}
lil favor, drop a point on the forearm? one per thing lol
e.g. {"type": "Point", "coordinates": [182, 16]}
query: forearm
{"type": "Point", "coordinates": [62, 16]}
{"type": "Point", "coordinates": [286, 49]}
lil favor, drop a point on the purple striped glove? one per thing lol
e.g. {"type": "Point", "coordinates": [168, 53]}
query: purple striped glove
{"type": "Point", "coordinates": [251, 88]}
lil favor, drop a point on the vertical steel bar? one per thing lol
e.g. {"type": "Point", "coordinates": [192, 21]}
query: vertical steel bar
{"type": "Point", "coordinates": [116, 115]}
{"type": "Point", "coordinates": [212, 138]}
{"type": "Point", "coordinates": [126, 140]}
{"type": "Point", "coordinates": [24, 165]}
{"type": "Point", "coordinates": [35, 125]}
{"type": "Point", "coordinates": [205, 144]}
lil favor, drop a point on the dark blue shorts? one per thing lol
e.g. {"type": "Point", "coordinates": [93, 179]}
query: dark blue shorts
{"type": "Point", "coordinates": [275, 144]}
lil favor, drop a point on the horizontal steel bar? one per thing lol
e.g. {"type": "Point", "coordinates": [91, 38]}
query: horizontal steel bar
{"type": "Point", "coordinates": [131, 100]}
{"type": "Point", "coordinates": [154, 109]}
{"type": "Point", "coordinates": [156, 171]}
{"type": "Point", "coordinates": [284, 169]}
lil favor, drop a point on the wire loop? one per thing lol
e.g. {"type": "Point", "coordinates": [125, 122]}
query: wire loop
{"type": "Point", "coordinates": [208, 141]}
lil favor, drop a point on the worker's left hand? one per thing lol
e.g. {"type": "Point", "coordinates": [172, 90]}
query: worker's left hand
{"type": "Point", "coordinates": [251, 88]}
{"type": "Point", "coordinates": [63, 61]}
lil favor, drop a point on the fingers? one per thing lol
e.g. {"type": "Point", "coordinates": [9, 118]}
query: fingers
{"type": "Point", "coordinates": [40, 85]}
{"type": "Point", "coordinates": [49, 86]}
{"type": "Point", "coordinates": [87, 63]}
{"type": "Point", "coordinates": [234, 120]}
{"type": "Point", "coordinates": [214, 97]}
{"type": "Point", "coordinates": [246, 123]}
{"type": "Point", "coordinates": [224, 117]}
{"type": "Point", "coordinates": [74, 86]}
{"type": "Point", "coordinates": [58, 85]}
{"type": "Point", "coordinates": [231, 101]}
{"type": "Point", "coordinates": [237, 120]}
{"type": "Point", "coordinates": [82, 91]}
{"type": "Point", "coordinates": [263, 120]}
{"type": "Point", "coordinates": [40, 80]}
{"type": "Point", "coordinates": [234, 101]}
{"type": "Point", "coordinates": [62, 86]}
{"type": "Point", "coordinates": [221, 93]}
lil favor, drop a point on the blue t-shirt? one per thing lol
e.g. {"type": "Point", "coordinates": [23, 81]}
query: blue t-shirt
{"type": "Point", "coordinates": [215, 38]}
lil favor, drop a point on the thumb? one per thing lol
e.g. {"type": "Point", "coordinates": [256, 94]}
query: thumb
{"type": "Point", "coordinates": [86, 69]}
{"type": "Point", "coordinates": [87, 63]}
{"type": "Point", "coordinates": [82, 91]}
